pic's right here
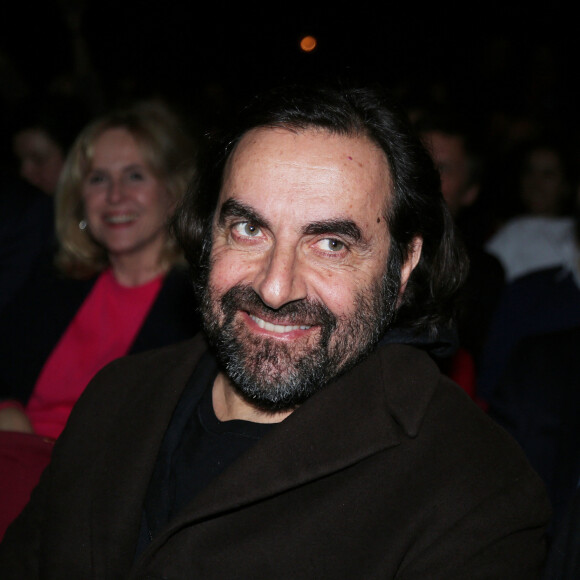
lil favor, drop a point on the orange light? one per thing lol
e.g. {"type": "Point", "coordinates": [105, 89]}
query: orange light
{"type": "Point", "coordinates": [308, 43]}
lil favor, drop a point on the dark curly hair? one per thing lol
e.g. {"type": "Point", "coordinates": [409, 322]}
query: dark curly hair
{"type": "Point", "coordinates": [414, 208]}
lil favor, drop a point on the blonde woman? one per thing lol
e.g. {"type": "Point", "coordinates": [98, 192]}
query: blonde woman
{"type": "Point", "coordinates": [119, 286]}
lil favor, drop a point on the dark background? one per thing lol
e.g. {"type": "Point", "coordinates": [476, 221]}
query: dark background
{"type": "Point", "coordinates": [479, 58]}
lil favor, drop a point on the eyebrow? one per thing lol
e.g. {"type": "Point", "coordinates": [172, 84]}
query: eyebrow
{"type": "Point", "coordinates": [233, 208]}
{"type": "Point", "coordinates": [130, 167]}
{"type": "Point", "coordinates": [342, 227]}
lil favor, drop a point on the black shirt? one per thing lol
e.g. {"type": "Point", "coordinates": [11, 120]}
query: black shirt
{"type": "Point", "coordinates": [196, 448]}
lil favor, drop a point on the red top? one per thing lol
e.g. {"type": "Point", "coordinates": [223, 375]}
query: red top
{"type": "Point", "coordinates": [103, 329]}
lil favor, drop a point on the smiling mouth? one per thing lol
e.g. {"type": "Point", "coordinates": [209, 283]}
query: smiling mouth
{"type": "Point", "coordinates": [121, 219]}
{"type": "Point", "coordinates": [279, 328]}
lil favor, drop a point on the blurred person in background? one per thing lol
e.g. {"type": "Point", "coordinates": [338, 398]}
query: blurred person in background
{"type": "Point", "coordinates": [120, 285]}
{"type": "Point", "coordinates": [541, 234]}
{"type": "Point", "coordinates": [26, 233]}
{"type": "Point", "coordinates": [42, 135]}
{"type": "Point", "coordinates": [41, 158]}
{"type": "Point", "coordinates": [544, 300]}
{"type": "Point", "coordinates": [460, 164]}
{"type": "Point", "coordinates": [537, 401]}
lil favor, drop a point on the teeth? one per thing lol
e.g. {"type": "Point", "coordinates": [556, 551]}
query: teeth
{"type": "Point", "coordinates": [276, 327]}
{"type": "Point", "coordinates": [120, 219]}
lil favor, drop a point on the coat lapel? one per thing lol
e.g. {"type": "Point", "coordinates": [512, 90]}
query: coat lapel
{"type": "Point", "coordinates": [130, 454]}
{"type": "Point", "coordinates": [353, 418]}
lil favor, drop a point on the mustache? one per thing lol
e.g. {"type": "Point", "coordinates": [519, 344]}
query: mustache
{"type": "Point", "coordinates": [306, 312]}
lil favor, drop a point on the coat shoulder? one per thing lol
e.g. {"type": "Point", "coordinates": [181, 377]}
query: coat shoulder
{"type": "Point", "coordinates": [121, 383]}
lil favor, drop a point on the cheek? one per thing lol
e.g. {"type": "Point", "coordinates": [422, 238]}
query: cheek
{"type": "Point", "coordinates": [340, 289]}
{"type": "Point", "coordinates": [226, 269]}
{"type": "Point", "coordinates": [338, 293]}
{"type": "Point", "coordinates": [54, 163]}
{"type": "Point", "coordinates": [91, 207]}
{"type": "Point", "coordinates": [341, 302]}
{"type": "Point", "coordinates": [159, 202]}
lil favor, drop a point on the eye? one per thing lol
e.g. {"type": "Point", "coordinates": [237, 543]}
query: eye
{"type": "Point", "coordinates": [247, 229]}
{"type": "Point", "coordinates": [95, 178]}
{"type": "Point", "coordinates": [136, 176]}
{"type": "Point", "coordinates": [332, 245]}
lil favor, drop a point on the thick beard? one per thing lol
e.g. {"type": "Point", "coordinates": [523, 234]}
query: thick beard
{"type": "Point", "coordinates": [276, 376]}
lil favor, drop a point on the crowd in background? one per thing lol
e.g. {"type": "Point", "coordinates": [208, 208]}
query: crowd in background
{"type": "Point", "coordinates": [510, 178]}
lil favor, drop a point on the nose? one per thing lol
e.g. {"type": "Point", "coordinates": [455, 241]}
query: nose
{"type": "Point", "coordinates": [115, 192]}
{"type": "Point", "coordinates": [280, 278]}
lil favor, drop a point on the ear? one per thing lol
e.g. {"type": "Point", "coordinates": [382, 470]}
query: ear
{"type": "Point", "coordinates": [413, 257]}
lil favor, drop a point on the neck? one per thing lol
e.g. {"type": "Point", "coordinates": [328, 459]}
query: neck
{"type": "Point", "coordinates": [228, 405]}
{"type": "Point", "coordinates": [132, 273]}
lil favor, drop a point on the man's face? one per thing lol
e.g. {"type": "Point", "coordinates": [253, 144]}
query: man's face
{"type": "Point", "coordinates": [451, 160]}
{"type": "Point", "coordinates": [543, 186]}
{"type": "Point", "coordinates": [298, 289]}
{"type": "Point", "coordinates": [41, 159]}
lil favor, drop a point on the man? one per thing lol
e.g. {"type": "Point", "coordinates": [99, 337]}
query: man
{"type": "Point", "coordinates": [537, 401]}
{"type": "Point", "coordinates": [293, 447]}
{"type": "Point", "coordinates": [460, 164]}
{"type": "Point", "coordinates": [26, 234]}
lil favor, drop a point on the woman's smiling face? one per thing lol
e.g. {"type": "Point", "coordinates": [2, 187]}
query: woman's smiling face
{"type": "Point", "coordinates": [126, 205]}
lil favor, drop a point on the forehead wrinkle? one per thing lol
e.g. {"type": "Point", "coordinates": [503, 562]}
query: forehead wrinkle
{"type": "Point", "coordinates": [256, 157]}
{"type": "Point", "coordinates": [309, 165]}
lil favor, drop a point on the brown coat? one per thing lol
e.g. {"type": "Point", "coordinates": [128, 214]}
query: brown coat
{"type": "Point", "coordinates": [390, 472]}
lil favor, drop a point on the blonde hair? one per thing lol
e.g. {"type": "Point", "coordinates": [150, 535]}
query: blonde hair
{"type": "Point", "coordinates": [168, 152]}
